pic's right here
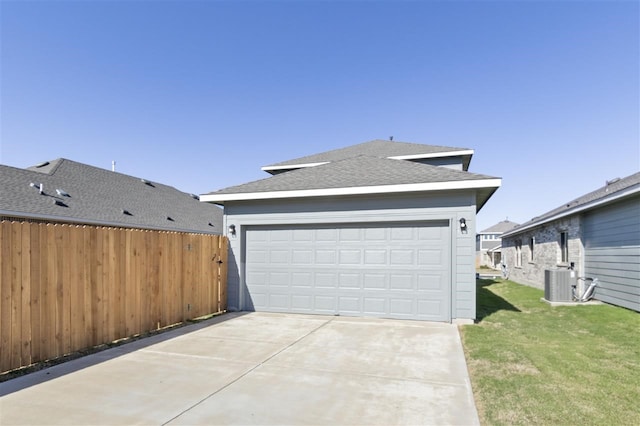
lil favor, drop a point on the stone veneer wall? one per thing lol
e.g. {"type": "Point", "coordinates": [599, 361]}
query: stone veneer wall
{"type": "Point", "coordinates": [546, 251]}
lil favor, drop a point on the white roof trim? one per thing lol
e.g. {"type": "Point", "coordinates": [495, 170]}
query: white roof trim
{"type": "Point", "coordinates": [587, 206]}
{"type": "Point", "coordinates": [432, 155]}
{"type": "Point", "coordinates": [358, 190]}
{"type": "Point", "coordinates": [395, 157]}
{"type": "Point", "coordinates": [293, 166]}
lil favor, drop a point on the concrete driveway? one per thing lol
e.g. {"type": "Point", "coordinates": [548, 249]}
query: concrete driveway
{"type": "Point", "coordinates": [259, 368]}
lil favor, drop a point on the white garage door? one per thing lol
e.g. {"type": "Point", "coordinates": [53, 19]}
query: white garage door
{"type": "Point", "coordinates": [391, 271]}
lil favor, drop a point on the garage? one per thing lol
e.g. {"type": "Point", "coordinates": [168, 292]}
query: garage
{"type": "Point", "coordinates": [379, 229]}
{"type": "Point", "coordinates": [399, 270]}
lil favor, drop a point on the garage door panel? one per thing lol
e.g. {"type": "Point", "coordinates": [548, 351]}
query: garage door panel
{"type": "Point", "coordinates": [256, 256]}
{"type": "Point", "coordinates": [325, 280]}
{"type": "Point", "coordinates": [325, 256]}
{"type": "Point", "coordinates": [375, 257]}
{"type": "Point", "coordinates": [401, 282]}
{"type": "Point", "coordinates": [302, 279]}
{"type": "Point", "coordinates": [302, 302]}
{"type": "Point", "coordinates": [396, 271]}
{"type": "Point", "coordinates": [279, 301]}
{"type": "Point", "coordinates": [401, 257]}
{"type": "Point", "coordinates": [349, 304]}
{"type": "Point", "coordinates": [374, 281]}
{"type": "Point", "coordinates": [303, 235]}
{"type": "Point", "coordinates": [374, 305]}
{"type": "Point", "coordinates": [349, 281]}
{"type": "Point", "coordinates": [279, 256]}
{"type": "Point", "coordinates": [302, 257]}
{"type": "Point", "coordinates": [349, 235]}
{"type": "Point", "coordinates": [429, 307]}
{"type": "Point", "coordinates": [431, 282]}
{"type": "Point", "coordinates": [375, 234]}
{"type": "Point", "coordinates": [349, 257]}
{"type": "Point", "coordinates": [430, 257]}
{"type": "Point", "coordinates": [400, 306]}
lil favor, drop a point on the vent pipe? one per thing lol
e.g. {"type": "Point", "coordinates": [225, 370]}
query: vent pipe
{"type": "Point", "coordinates": [113, 166]}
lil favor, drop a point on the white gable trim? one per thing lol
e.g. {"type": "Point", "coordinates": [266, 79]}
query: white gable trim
{"type": "Point", "coordinates": [360, 190]}
{"type": "Point", "coordinates": [395, 157]}
{"type": "Point", "coordinates": [433, 155]}
{"type": "Point", "coordinates": [293, 166]}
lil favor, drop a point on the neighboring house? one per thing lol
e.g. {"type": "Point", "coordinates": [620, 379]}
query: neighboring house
{"type": "Point", "coordinates": [379, 229]}
{"type": "Point", "coordinates": [488, 244]}
{"type": "Point", "coordinates": [64, 191]}
{"type": "Point", "coordinates": [598, 233]}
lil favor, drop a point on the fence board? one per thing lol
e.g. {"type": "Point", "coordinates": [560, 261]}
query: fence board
{"type": "Point", "coordinates": [64, 288]}
{"type": "Point", "coordinates": [51, 289]}
{"type": "Point", "coordinates": [16, 294]}
{"type": "Point", "coordinates": [5, 294]}
{"type": "Point", "coordinates": [34, 283]}
{"type": "Point", "coordinates": [25, 287]}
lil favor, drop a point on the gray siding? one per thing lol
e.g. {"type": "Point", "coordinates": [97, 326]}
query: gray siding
{"type": "Point", "coordinates": [612, 252]}
{"type": "Point", "coordinates": [454, 163]}
{"type": "Point", "coordinates": [361, 209]}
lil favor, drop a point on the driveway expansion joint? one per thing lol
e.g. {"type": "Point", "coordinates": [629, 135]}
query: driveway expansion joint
{"type": "Point", "coordinates": [258, 365]}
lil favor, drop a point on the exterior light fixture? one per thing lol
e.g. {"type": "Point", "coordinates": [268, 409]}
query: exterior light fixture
{"type": "Point", "coordinates": [463, 224]}
{"type": "Point", "coordinates": [232, 229]}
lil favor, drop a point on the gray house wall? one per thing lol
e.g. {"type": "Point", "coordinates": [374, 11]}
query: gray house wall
{"type": "Point", "coordinates": [612, 252]}
{"type": "Point", "coordinates": [449, 206]}
{"type": "Point", "coordinates": [603, 242]}
{"type": "Point", "coordinates": [546, 252]}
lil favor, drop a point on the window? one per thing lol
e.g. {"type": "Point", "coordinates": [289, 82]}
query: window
{"type": "Point", "coordinates": [564, 247]}
{"type": "Point", "coordinates": [532, 242]}
{"type": "Point", "coordinates": [518, 262]}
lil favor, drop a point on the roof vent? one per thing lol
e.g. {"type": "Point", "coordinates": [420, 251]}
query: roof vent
{"type": "Point", "coordinates": [170, 219]}
{"type": "Point", "coordinates": [62, 193]}
{"type": "Point", "coordinates": [126, 212]}
{"type": "Point", "coordinates": [146, 182]}
{"type": "Point", "coordinates": [38, 186]}
{"type": "Point", "coordinates": [210, 224]}
{"type": "Point", "coordinates": [59, 203]}
{"type": "Point", "coordinates": [44, 163]}
{"type": "Point", "coordinates": [614, 180]}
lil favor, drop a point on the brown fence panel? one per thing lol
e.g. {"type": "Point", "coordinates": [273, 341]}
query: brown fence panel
{"type": "Point", "coordinates": [65, 288]}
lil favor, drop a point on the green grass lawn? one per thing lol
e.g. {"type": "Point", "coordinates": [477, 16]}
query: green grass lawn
{"type": "Point", "coordinates": [531, 363]}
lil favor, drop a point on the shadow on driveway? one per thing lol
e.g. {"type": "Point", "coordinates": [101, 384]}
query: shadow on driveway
{"type": "Point", "coordinates": [46, 371]}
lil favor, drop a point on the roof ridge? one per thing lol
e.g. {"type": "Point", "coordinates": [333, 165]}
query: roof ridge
{"type": "Point", "coordinates": [384, 148]}
{"type": "Point", "coordinates": [601, 193]}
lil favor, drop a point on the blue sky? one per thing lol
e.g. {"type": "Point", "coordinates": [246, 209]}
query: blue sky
{"type": "Point", "coordinates": [200, 94]}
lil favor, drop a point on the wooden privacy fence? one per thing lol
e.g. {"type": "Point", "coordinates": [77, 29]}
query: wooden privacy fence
{"type": "Point", "coordinates": [64, 288]}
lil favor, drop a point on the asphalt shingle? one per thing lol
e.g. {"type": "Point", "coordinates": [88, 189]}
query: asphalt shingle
{"type": "Point", "coordinates": [376, 148]}
{"type": "Point", "coordinates": [99, 196]}
{"type": "Point", "coordinates": [609, 189]}
{"type": "Point", "coordinates": [354, 172]}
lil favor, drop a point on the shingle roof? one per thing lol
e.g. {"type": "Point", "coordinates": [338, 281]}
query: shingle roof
{"type": "Point", "coordinates": [609, 191]}
{"type": "Point", "coordinates": [376, 148]}
{"type": "Point", "coordinates": [359, 175]}
{"type": "Point", "coordinates": [354, 172]}
{"type": "Point", "coordinates": [503, 226]}
{"type": "Point", "coordinates": [99, 196]}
